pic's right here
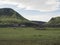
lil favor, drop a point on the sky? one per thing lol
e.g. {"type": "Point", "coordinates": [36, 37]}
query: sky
{"type": "Point", "coordinates": [37, 10]}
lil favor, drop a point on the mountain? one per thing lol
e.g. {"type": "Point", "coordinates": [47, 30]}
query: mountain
{"type": "Point", "coordinates": [54, 22]}
{"type": "Point", "coordinates": [39, 22]}
{"type": "Point", "coordinates": [9, 16]}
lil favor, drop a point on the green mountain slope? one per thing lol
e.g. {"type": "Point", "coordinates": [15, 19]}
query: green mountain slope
{"type": "Point", "coordinates": [54, 20]}
{"type": "Point", "coordinates": [9, 16]}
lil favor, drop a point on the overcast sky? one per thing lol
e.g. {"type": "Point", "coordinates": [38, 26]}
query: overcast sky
{"type": "Point", "coordinates": [40, 10]}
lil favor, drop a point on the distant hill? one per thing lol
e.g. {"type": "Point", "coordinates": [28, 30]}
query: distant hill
{"type": "Point", "coordinates": [54, 22]}
{"type": "Point", "coordinates": [39, 22]}
{"type": "Point", "coordinates": [9, 16]}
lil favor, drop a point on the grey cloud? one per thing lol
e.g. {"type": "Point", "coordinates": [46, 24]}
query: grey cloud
{"type": "Point", "coordinates": [41, 5]}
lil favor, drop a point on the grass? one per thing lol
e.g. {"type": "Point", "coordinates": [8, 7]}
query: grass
{"type": "Point", "coordinates": [12, 19]}
{"type": "Point", "coordinates": [29, 36]}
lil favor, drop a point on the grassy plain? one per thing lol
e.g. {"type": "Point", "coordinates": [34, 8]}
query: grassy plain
{"type": "Point", "coordinates": [29, 36]}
